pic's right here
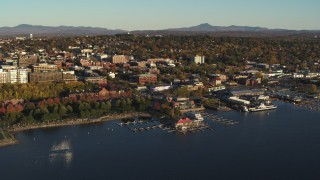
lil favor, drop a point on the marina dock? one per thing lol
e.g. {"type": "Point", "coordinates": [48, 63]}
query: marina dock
{"type": "Point", "coordinates": [219, 120]}
{"type": "Point", "coordinates": [148, 125]}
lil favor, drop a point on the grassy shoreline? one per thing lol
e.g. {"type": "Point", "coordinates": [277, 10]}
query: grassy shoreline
{"type": "Point", "coordinates": [7, 141]}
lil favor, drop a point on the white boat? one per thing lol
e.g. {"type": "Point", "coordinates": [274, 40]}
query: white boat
{"type": "Point", "coordinates": [263, 107]}
{"type": "Point", "coordinates": [196, 116]}
{"type": "Point", "coordinates": [244, 109]}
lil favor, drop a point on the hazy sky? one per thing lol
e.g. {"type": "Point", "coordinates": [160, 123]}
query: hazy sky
{"type": "Point", "coordinates": [161, 14]}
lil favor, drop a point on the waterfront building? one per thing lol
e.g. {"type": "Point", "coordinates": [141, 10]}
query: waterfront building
{"type": "Point", "coordinates": [183, 122]}
{"type": "Point", "coordinates": [236, 100]}
{"type": "Point", "coordinates": [252, 92]}
{"type": "Point", "coordinates": [183, 104]}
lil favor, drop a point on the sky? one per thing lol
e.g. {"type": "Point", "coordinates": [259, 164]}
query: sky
{"type": "Point", "coordinates": [162, 14]}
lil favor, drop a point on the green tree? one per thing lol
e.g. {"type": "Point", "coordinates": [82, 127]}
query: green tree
{"type": "Point", "coordinates": [62, 110]}
{"type": "Point", "coordinates": [182, 92]}
{"type": "Point", "coordinates": [108, 106]}
{"type": "Point", "coordinates": [313, 89]}
{"type": "Point", "coordinates": [30, 117]}
{"type": "Point", "coordinates": [69, 109]}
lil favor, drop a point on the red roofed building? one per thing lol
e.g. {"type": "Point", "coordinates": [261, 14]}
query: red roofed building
{"type": "Point", "coordinates": [183, 122]}
{"type": "Point", "coordinates": [216, 81]}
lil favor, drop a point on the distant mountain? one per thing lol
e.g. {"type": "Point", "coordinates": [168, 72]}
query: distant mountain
{"type": "Point", "coordinates": [209, 28]}
{"type": "Point", "coordinates": [235, 31]}
{"type": "Point", "coordinates": [37, 30]}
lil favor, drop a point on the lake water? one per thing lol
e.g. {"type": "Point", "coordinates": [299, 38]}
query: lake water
{"type": "Point", "coordinates": [277, 144]}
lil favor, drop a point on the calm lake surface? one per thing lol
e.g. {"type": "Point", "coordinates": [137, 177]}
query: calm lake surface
{"type": "Point", "coordinates": [277, 144]}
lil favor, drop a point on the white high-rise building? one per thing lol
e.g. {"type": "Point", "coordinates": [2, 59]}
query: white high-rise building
{"type": "Point", "coordinates": [198, 59]}
{"type": "Point", "coordinates": [23, 76]}
{"type": "Point", "coordinates": [13, 76]}
{"type": "Point", "coordinates": [4, 77]}
{"type": "Point", "coordinates": [18, 76]}
{"type": "Point", "coordinates": [31, 36]}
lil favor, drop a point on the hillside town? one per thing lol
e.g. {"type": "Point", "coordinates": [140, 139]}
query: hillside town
{"type": "Point", "coordinates": [53, 78]}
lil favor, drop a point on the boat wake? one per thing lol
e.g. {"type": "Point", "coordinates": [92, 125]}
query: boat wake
{"type": "Point", "coordinates": [61, 152]}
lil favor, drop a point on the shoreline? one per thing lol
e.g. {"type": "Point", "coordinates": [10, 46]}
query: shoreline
{"type": "Point", "coordinates": [67, 122]}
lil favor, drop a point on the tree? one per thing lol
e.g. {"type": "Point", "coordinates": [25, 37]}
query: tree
{"type": "Point", "coordinates": [3, 111]}
{"type": "Point", "coordinates": [81, 107]}
{"type": "Point", "coordinates": [313, 89]}
{"type": "Point", "coordinates": [55, 109]}
{"type": "Point", "coordinates": [124, 106]}
{"type": "Point", "coordinates": [118, 104]}
{"type": "Point", "coordinates": [30, 106]}
{"type": "Point", "coordinates": [69, 109]}
{"type": "Point", "coordinates": [108, 106]}
{"type": "Point", "coordinates": [12, 117]}
{"type": "Point", "coordinates": [18, 108]}
{"type": "Point", "coordinates": [10, 108]}
{"type": "Point", "coordinates": [62, 110]}
{"type": "Point", "coordinates": [30, 117]}
{"type": "Point", "coordinates": [96, 105]}
{"type": "Point", "coordinates": [57, 100]}
{"type": "Point", "coordinates": [181, 92]}
{"type": "Point", "coordinates": [50, 102]}
{"type": "Point", "coordinates": [42, 104]}
{"type": "Point", "coordinates": [65, 100]}
{"type": "Point", "coordinates": [259, 75]}
{"type": "Point", "coordinates": [37, 114]}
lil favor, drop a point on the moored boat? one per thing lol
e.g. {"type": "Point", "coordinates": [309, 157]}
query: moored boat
{"type": "Point", "coordinates": [262, 107]}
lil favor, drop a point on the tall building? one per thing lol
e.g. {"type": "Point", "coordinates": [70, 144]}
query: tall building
{"type": "Point", "coordinates": [4, 77]}
{"type": "Point", "coordinates": [14, 76]}
{"type": "Point", "coordinates": [198, 59]}
{"type": "Point", "coordinates": [18, 76]}
{"type": "Point", "coordinates": [22, 76]}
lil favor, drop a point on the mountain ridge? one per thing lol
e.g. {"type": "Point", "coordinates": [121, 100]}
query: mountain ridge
{"type": "Point", "coordinates": [39, 30]}
{"type": "Point", "coordinates": [204, 28]}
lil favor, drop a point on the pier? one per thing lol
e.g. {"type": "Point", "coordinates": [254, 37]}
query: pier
{"type": "Point", "coordinates": [139, 126]}
{"type": "Point", "coordinates": [193, 128]}
{"type": "Point", "coordinates": [219, 120]}
{"type": "Point", "coordinates": [144, 126]}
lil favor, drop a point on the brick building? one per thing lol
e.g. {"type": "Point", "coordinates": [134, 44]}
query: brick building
{"type": "Point", "coordinates": [46, 77]}
{"type": "Point", "coordinates": [146, 78]}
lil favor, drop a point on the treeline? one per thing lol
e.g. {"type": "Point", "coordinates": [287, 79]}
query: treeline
{"type": "Point", "coordinates": [54, 109]}
{"type": "Point", "coordinates": [39, 91]}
